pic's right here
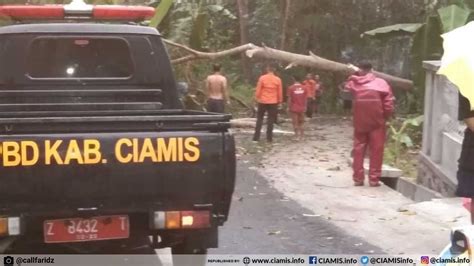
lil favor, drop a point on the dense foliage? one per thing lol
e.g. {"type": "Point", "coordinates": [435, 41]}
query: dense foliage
{"type": "Point", "coordinates": [329, 28]}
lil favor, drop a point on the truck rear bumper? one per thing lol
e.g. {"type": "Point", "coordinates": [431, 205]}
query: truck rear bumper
{"type": "Point", "coordinates": [195, 239]}
{"type": "Point", "coordinates": [141, 224]}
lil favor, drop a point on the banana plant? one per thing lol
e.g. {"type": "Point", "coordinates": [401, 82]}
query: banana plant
{"type": "Point", "coordinates": [427, 42]}
{"type": "Point", "coordinates": [400, 137]}
{"type": "Point", "coordinates": [189, 22]}
{"type": "Point", "coordinates": [160, 12]}
{"type": "Point", "coordinates": [455, 15]}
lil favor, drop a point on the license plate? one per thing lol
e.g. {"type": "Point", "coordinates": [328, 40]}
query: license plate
{"type": "Point", "coordinates": [90, 229]}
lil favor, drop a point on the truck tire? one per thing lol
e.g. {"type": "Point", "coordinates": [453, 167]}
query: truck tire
{"type": "Point", "coordinates": [183, 256]}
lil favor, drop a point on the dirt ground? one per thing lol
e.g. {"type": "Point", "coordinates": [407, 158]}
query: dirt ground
{"type": "Point", "coordinates": [315, 173]}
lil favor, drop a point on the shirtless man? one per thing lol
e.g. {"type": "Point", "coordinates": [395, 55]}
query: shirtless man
{"type": "Point", "coordinates": [216, 85]}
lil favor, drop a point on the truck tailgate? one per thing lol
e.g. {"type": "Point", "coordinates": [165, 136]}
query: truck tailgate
{"type": "Point", "coordinates": [112, 169]}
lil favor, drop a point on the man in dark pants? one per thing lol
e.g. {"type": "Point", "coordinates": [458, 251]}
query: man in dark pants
{"type": "Point", "coordinates": [466, 161]}
{"type": "Point", "coordinates": [216, 88]}
{"type": "Point", "coordinates": [269, 94]}
{"type": "Point", "coordinates": [311, 87]}
{"type": "Point", "coordinates": [319, 93]}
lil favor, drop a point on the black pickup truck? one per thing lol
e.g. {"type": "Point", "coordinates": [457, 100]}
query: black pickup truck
{"type": "Point", "coordinates": [95, 147]}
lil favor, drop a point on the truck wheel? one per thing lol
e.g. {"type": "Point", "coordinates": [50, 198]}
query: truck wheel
{"type": "Point", "coordinates": [185, 256]}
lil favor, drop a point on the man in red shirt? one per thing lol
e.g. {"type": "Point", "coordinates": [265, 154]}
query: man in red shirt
{"type": "Point", "coordinates": [311, 87]}
{"type": "Point", "coordinates": [269, 94]}
{"type": "Point", "coordinates": [297, 99]}
{"type": "Point", "coordinates": [372, 107]}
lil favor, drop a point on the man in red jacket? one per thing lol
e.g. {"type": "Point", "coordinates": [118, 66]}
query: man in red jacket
{"type": "Point", "coordinates": [372, 107]}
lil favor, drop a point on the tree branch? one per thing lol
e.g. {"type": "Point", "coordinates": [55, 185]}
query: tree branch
{"type": "Point", "coordinates": [184, 47]}
{"type": "Point", "coordinates": [293, 59]}
{"type": "Point", "coordinates": [194, 54]}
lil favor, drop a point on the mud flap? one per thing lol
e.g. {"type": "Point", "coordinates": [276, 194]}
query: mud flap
{"type": "Point", "coordinates": [189, 240]}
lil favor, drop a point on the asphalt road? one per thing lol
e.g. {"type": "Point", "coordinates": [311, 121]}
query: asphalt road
{"type": "Point", "coordinates": [263, 221]}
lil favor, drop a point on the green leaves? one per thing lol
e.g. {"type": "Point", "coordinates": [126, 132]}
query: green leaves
{"type": "Point", "coordinates": [427, 42]}
{"type": "Point", "coordinates": [202, 20]}
{"type": "Point", "coordinates": [193, 23]}
{"type": "Point", "coordinates": [397, 28]}
{"type": "Point", "coordinates": [400, 136]}
{"type": "Point", "coordinates": [416, 121]}
{"type": "Point", "coordinates": [220, 10]}
{"type": "Point", "coordinates": [199, 30]}
{"type": "Point", "coordinates": [405, 139]}
{"type": "Point", "coordinates": [160, 12]}
{"type": "Point", "coordinates": [453, 17]}
{"type": "Point", "coordinates": [466, 4]}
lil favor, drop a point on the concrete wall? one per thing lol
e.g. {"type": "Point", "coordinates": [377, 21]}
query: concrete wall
{"type": "Point", "coordinates": [442, 133]}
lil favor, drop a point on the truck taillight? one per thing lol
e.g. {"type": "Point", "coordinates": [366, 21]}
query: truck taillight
{"type": "Point", "coordinates": [77, 9]}
{"type": "Point", "coordinates": [195, 219]}
{"type": "Point", "coordinates": [10, 226]}
{"type": "Point", "coordinates": [181, 220]}
{"type": "Point", "coordinates": [173, 220]}
{"type": "Point", "coordinates": [3, 226]}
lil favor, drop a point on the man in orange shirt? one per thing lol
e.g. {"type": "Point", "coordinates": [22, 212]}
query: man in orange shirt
{"type": "Point", "coordinates": [269, 94]}
{"type": "Point", "coordinates": [310, 85]}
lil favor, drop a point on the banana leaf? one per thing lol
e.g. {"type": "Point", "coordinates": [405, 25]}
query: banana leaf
{"type": "Point", "coordinates": [453, 17]}
{"type": "Point", "coordinates": [221, 10]}
{"type": "Point", "coordinates": [160, 13]}
{"type": "Point", "coordinates": [405, 139]}
{"type": "Point", "coordinates": [397, 28]}
{"type": "Point", "coordinates": [199, 31]}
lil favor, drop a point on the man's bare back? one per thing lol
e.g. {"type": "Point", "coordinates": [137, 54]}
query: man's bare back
{"type": "Point", "coordinates": [217, 87]}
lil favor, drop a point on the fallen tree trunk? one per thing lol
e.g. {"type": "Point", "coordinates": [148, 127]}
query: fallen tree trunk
{"type": "Point", "coordinates": [292, 59]}
{"type": "Point", "coordinates": [320, 63]}
{"type": "Point", "coordinates": [236, 123]}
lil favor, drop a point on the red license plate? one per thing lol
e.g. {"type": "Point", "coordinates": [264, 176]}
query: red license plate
{"type": "Point", "coordinates": [90, 229]}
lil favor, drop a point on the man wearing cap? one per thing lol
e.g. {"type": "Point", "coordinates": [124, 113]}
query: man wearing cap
{"type": "Point", "coordinates": [372, 107]}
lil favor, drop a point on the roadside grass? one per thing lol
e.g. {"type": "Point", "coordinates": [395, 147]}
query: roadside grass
{"type": "Point", "coordinates": [408, 161]}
